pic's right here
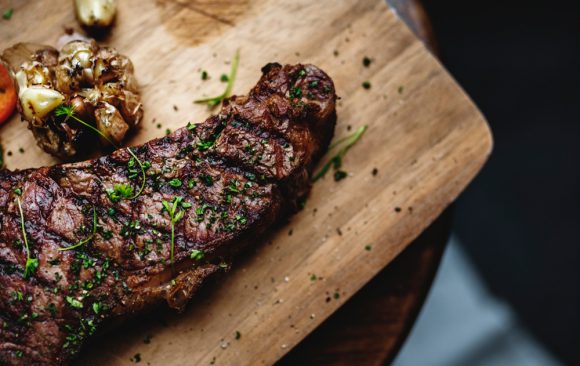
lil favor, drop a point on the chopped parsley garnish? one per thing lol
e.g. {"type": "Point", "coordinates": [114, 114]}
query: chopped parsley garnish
{"type": "Point", "coordinates": [17, 296]}
{"type": "Point", "coordinates": [7, 14]}
{"type": "Point", "coordinates": [366, 61]}
{"type": "Point", "coordinates": [339, 175]}
{"type": "Point", "coordinates": [296, 92]}
{"type": "Point", "coordinates": [238, 335]}
{"type": "Point", "coordinates": [197, 254]}
{"type": "Point", "coordinates": [120, 191]}
{"type": "Point", "coordinates": [17, 191]}
{"type": "Point", "coordinates": [51, 309]}
{"type": "Point", "coordinates": [69, 112]}
{"type": "Point", "coordinates": [241, 219]}
{"type": "Point", "coordinates": [97, 307]}
{"type": "Point", "coordinates": [233, 186]}
{"type": "Point", "coordinates": [205, 145]}
{"type": "Point", "coordinates": [400, 90]}
{"type": "Point", "coordinates": [336, 160]}
{"type": "Point", "coordinates": [204, 75]}
{"type": "Point", "coordinates": [224, 78]}
{"type": "Point", "coordinates": [214, 101]}
{"type": "Point", "coordinates": [74, 302]}
{"type": "Point", "coordinates": [31, 263]}
{"type": "Point", "coordinates": [88, 238]}
{"type": "Point", "coordinates": [136, 358]}
{"type": "Point", "coordinates": [175, 183]}
{"type": "Point", "coordinates": [206, 179]}
{"type": "Point", "coordinates": [366, 84]}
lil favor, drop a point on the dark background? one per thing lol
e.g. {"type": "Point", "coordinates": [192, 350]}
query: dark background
{"type": "Point", "coordinates": [520, 62]}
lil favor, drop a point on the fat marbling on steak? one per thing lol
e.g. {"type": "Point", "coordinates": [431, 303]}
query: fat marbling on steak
{"type": "Point", "coordinates": [236, 174]}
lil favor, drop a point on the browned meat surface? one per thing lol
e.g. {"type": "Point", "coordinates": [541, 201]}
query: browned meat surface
{"type": "Point", "coordinates": [234, 175]}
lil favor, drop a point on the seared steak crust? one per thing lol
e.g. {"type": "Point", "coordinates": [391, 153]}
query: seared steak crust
{"type": "Point", "coordinates": [236, 174]}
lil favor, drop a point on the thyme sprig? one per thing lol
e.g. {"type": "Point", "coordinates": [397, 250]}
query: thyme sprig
{"type": "Point", "coordinates": [336, 161]}
{"type": "Point", "coordinates": [175, 215]}
{"type": "Point", "coordinates": [31, 263]}
{"type": "Point", "coordinates": [214, 101]}
{"type": "Point", "coordinates": [69, 112]}
{"type": "Point", "coordinates": [88, 238]}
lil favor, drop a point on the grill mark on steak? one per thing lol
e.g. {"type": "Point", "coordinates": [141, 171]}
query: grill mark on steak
{"type": "Point", "coordinates": [241, 171]}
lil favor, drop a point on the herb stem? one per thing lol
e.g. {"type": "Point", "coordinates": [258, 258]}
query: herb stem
{"type": "Point", "coordinates": [214, 101]}
{"type": "Point", "coordinates": [87, 239]}
{"type": "Point", "coordinates": [172, 241]}
{"type": "Point", "coordinates": [336, 160]}
{"type": "Point", "coordinates": [23, 229]}
{"type": "Point", "coordinates": [174, 215]}
{"type": "Point", "coordinates": [31, 263]}
{"type": "Point", "coordinates": [143, 176]}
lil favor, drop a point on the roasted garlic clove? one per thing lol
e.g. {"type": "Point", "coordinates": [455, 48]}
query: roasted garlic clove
{"type": "Point", "coordinates": [96, 13]}
{"type": "Point", "coordinates": [37, 101]}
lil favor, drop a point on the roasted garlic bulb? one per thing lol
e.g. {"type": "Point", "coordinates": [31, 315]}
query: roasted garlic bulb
{"type": "Point", "coordinates": [97, 82]}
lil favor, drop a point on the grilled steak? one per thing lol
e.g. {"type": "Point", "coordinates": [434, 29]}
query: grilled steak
{"type": "Point", "coordinates": [95, 253]}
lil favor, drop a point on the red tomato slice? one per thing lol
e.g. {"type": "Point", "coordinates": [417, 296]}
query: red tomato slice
{"type": "Point", "coordinates": [7, 94]}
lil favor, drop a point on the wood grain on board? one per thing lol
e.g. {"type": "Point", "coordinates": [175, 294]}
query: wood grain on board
{"type": "Point", "coordinates": [425, 138]}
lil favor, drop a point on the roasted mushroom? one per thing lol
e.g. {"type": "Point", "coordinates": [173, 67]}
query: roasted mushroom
{"type": "Point", "coordinates": [96, 81]}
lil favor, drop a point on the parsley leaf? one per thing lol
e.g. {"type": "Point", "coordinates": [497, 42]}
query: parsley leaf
{"type": "Point", "coordinates": [197, 254]}
{"type": "Point", "coordinates": [8, 14]}
{"type": "Point", "coordinates": [74, 302]}
{"type": "Point", "coordinates": [120, 191]}
{"type": "Point", "coordinates": [175, 183]}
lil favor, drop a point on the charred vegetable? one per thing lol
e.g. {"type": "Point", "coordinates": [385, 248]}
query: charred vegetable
{"type": "Point", "coordinates": [96, 13]}
{"type": "Point", "coordinates": [97, 81]}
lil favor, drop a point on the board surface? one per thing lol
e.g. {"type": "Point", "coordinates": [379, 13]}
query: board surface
{"type": "Point", "coordinates": [425, 138]}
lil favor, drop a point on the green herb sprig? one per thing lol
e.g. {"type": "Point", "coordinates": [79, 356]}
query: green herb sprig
{"type": "Point", "coordinates": [88, 238]}
{"type": "Point", "coordinates": [336, 161]}
{"type": "Point", "coordinates": [120, 191]}
{"type": "Point", "coordinates": [175, 215]}
{"type": "Point", "coordinates": [7, 14]}
{"type": "Point", "coordinates": [69, 112]}
{"type": "Point", "coordinates": [31, 263]}
{"type": "Point", "coordinates": [214, 101]}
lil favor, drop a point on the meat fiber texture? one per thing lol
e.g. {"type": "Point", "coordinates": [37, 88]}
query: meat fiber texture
{"type": "Point", "coordinates": [227, 179]}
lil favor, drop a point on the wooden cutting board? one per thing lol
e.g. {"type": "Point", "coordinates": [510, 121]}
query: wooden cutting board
{"type": "Point", "coordinates": [426, 140]}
